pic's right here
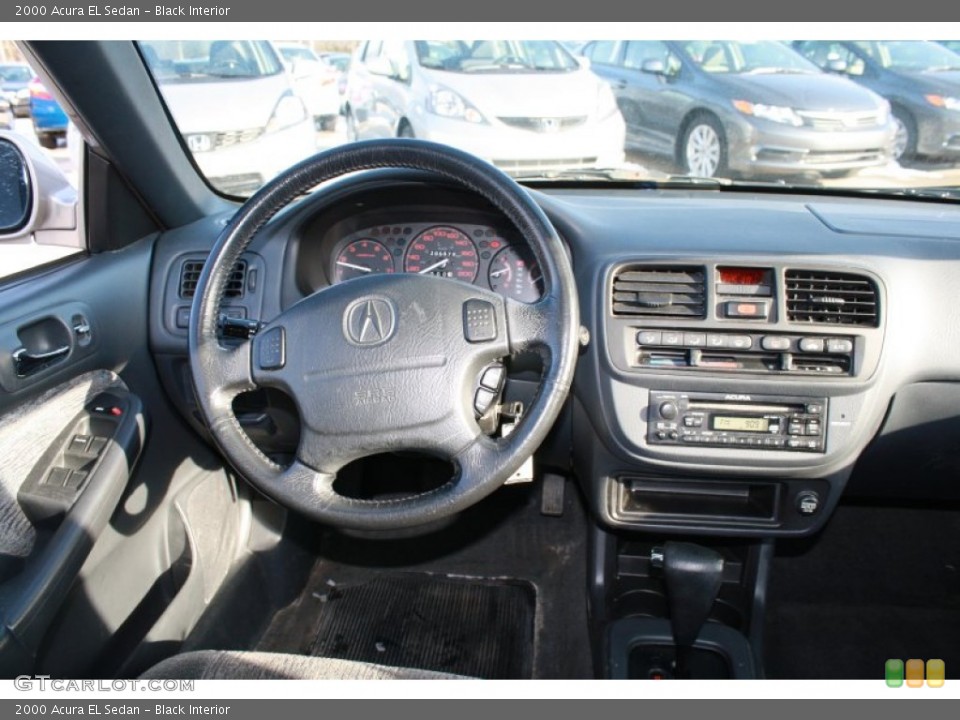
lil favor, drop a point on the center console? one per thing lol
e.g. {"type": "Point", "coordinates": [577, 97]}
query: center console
{"type": "Point", "coordinates": [726, 398]}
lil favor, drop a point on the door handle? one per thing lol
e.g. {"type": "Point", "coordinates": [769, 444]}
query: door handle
{"type": "Point", "coordinates": [26, 363]}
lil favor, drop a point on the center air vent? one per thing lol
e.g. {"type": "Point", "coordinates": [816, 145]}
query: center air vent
{"type": "Point", "coordinates": [645, 291]}
{"type": "Point", "coordinates": [190, 274]}
{"type": "Point", "coordinates": [832, 298]}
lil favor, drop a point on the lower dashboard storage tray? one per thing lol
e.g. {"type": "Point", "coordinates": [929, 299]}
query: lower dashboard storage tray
{"type": "Point", "coordinates": [700, 500]}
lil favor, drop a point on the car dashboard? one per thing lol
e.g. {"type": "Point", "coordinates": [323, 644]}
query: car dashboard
{"type": "Point", "coordinates": [747, 357]}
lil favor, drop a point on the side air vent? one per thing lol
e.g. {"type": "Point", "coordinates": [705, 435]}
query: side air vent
{"type": "Point", "coordinates": [190, 274]}
{"type": "Point", "coordinates": [831, 298]}
{"type": "Point", "coordinates": [646, 291]}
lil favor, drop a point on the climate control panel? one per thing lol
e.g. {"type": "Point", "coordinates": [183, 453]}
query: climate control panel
{"type": "Point", "coordinates": [743, 352]}
{"type": "Point", "coordinates": [755, 422]}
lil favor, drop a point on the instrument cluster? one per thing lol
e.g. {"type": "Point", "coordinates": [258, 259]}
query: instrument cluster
{"type": "Point", "coordinates": [472, 253]}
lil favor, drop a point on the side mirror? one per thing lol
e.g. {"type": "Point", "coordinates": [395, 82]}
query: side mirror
{"type": "Point", "coordinates": [37, 202]}
{"type": "Point", "coordinates": [16, 197]}
{"type": "Point", "coordinates": [653, 67]}
{"type": "Point", "coordinates": [381, 65]}
{"type": "Point", "coordinates": [836, 65]}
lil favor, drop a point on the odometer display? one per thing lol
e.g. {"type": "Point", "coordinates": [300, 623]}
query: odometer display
{"type": "Point", "coordinates": [445, 252]}
{"type": "Point", "coordinates": [514, 273]}
{"type": "Point", "coordinates": [362, 257]}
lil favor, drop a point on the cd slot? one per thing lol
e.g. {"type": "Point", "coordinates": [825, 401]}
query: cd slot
{"type": "Point", "coordinates": [751, 408]}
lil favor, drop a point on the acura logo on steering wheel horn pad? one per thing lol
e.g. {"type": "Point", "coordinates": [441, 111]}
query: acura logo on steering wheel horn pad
{"type": "Point", "coordinates": [369, 321]}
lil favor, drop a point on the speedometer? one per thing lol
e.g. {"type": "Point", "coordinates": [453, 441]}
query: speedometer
{"type": "Point", "coordinates": [514, 273]}
{"type": "Point", "coordinates": [362, 257]}
{"type": "Point", "coordinates": [445, 252]}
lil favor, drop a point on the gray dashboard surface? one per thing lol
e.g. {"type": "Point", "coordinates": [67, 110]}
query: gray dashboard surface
{"type": "Point", "coordinates": [911, 247]}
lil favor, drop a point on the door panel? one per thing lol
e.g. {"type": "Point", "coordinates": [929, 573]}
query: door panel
{"type": "Point", "coordinates": [56, 497]}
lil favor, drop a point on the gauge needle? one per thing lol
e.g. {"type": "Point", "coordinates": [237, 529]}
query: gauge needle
{"type": "Point", "coordinates": [361, 268]}
{"type": "Point", "coordinates": [498, 273]}
{"type": "Point", "coordinates": [436, 265]}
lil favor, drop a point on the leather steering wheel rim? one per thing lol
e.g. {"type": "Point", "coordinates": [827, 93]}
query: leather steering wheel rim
{"type": "Point", "coordinates": [432, 345]}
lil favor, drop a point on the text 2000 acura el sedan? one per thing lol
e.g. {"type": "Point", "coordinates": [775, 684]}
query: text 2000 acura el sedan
{"type": "Point", "coordinates": [397, 415]}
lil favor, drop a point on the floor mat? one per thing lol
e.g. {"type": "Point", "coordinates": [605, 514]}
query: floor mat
{"type": "Point", "coordinates": [505, 536]}
{"type": "Point", "coordinates": [879, 582]}
{"type": "Point", "coordinates": [474, 627]}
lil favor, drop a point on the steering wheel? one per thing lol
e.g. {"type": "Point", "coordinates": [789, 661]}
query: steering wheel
{"type": "Point", "coordinates": [385, 363]}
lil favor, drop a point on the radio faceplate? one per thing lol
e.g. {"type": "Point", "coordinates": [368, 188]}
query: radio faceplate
{"type": "Point", "coordinates": [754, 422]}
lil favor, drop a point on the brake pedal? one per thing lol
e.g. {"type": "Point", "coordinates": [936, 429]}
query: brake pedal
{"type": "Point", "coordinates": [551, 495]}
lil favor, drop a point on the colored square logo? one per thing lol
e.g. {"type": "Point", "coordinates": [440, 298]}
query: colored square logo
{"type": "Point", "coordinates": [893, 672]}
{"type": "Point", "coordinates": [915, 673]}
{"type": "Point", "coordinates": [936, 673]}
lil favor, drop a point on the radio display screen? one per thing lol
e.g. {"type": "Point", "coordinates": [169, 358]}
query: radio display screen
{"type": "Point", "coordinates": [740, 424]}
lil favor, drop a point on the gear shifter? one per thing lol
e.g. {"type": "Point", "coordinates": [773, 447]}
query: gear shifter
{"type": "Point", "coordinates": [693, 576]}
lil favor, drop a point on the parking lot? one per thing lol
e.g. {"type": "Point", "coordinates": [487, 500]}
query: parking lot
{"type": "Point", "coordinates": [918, 174]}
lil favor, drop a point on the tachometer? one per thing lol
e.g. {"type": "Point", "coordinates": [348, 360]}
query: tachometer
{"type": "Point", "coordinates": [362, 257]}
{"type": "Point", "coordinates": [443, 251]}
{"type": "Point", "coordinates": [514, 273]}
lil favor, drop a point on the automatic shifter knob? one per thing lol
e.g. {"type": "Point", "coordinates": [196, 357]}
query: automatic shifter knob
{"type": "Point", "coordinates": [693, 576]}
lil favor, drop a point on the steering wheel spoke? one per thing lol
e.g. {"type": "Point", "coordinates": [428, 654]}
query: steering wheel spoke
{"type": "Point", "coordinates": [230, 372]}
{"type": "Point", "coordinates": [532, 326]}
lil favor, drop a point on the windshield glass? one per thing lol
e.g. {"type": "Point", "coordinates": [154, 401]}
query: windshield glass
{"type": "Point", "coordinates": [745, 57]}
{"type": "Point", "coordinates": [911, 56]}
{"type": "Point", "coordinates": [494, 56]}
{"type": "Point", "coordinates": [799, 114]}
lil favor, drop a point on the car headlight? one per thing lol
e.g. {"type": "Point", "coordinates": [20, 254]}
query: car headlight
{"type": "Point", "coordinates": [774, 113]}
{"type": "Point", "coordinates": [289, 111]}
{"type": "Point", "coordinates": [942, 101]}
{"type": "Point", "coordinates": [446, 103]}
{"type": "Point", "coordinates": [606, 101]}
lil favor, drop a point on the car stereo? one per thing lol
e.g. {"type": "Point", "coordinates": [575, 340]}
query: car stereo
{"type": "Point", "coordinates": [755, 422]}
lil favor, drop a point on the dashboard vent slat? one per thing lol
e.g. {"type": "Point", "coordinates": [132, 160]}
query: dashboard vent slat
{"type": "Point", "coordinates": [190, 275]}
{"type": "Point", "coordinates": [660, 292]}
{"type": "Point", "coordinates": [831, 298]}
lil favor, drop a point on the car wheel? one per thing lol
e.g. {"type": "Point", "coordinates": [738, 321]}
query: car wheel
{"type": "Point", "coordinates": [704, 148]}
{"type": "Point", "coordinates": [905, 138]}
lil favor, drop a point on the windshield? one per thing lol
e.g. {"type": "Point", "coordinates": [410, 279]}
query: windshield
{"type": "Point", "coordinates": [911, 56]}
{"type": "Point", "coordinates": [800, 114]}
{"type": "Point", "coordinates": [745, 57]}
{"type": "Point", "coordinates": [487, 56]}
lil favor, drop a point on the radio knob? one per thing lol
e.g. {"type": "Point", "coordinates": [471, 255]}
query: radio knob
{"type": "Point", "coordinates": [668, 410]}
